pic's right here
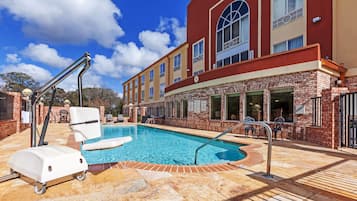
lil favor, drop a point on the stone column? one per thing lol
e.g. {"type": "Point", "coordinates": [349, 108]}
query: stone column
{"type": "Point", "coordinates": [135, 114]}
{"type": "Point", "coordinates": [242, 109]}
{"type": "Point", "coordinates": [101, 112]}
{"type": "Point", "coordinates": [266, 105]}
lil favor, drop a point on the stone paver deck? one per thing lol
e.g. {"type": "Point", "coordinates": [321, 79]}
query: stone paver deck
{"type": "Point", "coordinates": [301, 172]}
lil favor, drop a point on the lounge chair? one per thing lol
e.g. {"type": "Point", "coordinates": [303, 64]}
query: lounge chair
{"type": "Point", "coordinates": [120, 118]}
{"type": "Point", "coordinates": [85, 123]}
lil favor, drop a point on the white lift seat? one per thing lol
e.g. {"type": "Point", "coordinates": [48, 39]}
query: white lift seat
{"type": "Point", "coordinates": [85, 123]}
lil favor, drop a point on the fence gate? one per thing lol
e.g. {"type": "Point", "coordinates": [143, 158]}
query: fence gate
{"type": "Point", "coordinates": [348, 115]}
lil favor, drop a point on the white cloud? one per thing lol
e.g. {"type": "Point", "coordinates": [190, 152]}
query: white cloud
{"type": "Point", "coordinates": [46, 55]}
{"type": "Point", "coordinates": [68, 21]}
{"type": "Point", "coordinates": [13, 58]}
{"type": "Point", "coordinates": [37, 73]}
{"type": "Point", "coordinates": [173, 25]}
{"type": "Point", "coordinates": [156, 41]}
{"type": "Point", "coordinates": [90, 79]}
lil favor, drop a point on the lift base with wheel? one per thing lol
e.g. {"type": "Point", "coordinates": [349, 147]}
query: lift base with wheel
{"type": "Point", "coordinates": [47, 163]}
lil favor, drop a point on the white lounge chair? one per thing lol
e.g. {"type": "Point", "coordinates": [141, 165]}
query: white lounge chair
{"type": "Point", "coordinates": [85, 123]}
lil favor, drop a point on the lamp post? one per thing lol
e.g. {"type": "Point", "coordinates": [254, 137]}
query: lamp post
{"type": "Point", "coordinates": [25, 116]}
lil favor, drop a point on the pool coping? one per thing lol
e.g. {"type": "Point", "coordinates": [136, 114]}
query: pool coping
{"type": "Point", "coordinates": [252, 157]}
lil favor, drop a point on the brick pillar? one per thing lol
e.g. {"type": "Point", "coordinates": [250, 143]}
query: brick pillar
{"type": "Point", "coordinates": [17, 109]}
{"type": "Point", "coordinates": [330, 116]}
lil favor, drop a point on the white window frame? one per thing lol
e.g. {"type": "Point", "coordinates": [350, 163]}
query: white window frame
{"type": "Point", "coordinates": [162, 90]}
{"type": "Point", "coordinates": [239, 47]}
{"type": "Point", "coordinates": [177, 62]}
{"type": "Point", "coordinates": [162, 69]}
{"type": "Point", "coordinates": [200, 56]}
{"type": "Point", "coordinates": [178, 79]}
{"type": "Point", "coordinates": [142, 95]}
{"type": "Point", "coordinates": [287, 44]}
{"type": "Point", "coordinates": [151, 75]}
{"type": "Point", "coordinates": [151, 92]}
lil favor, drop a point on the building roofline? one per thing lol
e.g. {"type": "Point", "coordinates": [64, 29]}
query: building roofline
{"type": "Point", "coordinates": [155, 62]}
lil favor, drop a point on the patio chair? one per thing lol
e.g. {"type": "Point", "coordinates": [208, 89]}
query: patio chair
{"type": "Point", "coordinates": [85, 123]}
{"type": "Point", "coordinates": [278, 124]}
{"type": "Point", "coordinates": [248, 128]}
{"type": "Point", "coordinates": [120, 118]}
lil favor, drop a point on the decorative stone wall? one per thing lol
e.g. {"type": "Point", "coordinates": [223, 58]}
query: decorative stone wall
{"type": "Point", "coordinates": [305, 85]}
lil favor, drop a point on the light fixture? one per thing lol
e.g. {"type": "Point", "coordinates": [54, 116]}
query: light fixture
{"type": "Point", "coordinates": [27, 92]}
{"type": "Point", "coordinates": [67, 102]}
{"type": "Point", "coordinates": [316, 19]}
{"type": "Point", "coordinates": [338, 82]}
{"type": "Point", "coordinates": [277, 100]}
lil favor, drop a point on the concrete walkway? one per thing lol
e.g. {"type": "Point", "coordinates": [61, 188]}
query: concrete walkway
{"type": "Point", "coordinates": [301, 172]}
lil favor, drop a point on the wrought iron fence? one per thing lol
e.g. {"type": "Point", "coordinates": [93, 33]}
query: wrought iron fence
{"type": "Point", "coordinates": [316, 111]}
{"type": "Point", "coordinates": [6, 106]}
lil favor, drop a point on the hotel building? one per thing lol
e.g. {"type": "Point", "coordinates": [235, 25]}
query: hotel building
{"type": "Point", "coordinates": [258, 58]}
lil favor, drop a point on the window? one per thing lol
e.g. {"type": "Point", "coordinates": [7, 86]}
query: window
{"type": "Point", "coordinates": [130, 86]}
{"type": "Point", "coordinates": [232, 107]}
{"type": "Point", "coordinates": [177, 62]}
{"type": "Point", "coordinates": [142, 79]}
{"type": "Point", "coordinates": [233, 26]}
{"type": "Point", "coordinates": [282, 104]}
{"type": "Point", "coordinates": [286, 11]}
{"type": "Point", "coordinates": [162, 69]}
{"type": "Point", "coordinates": [178, 110]}
{"type": "Point", "coordinates": [254, 105]}
{"type": "Point", "coordinates": [142, 95]}
{"type": "Point", "coordinates": [184, 108]}
{"type": "Point", "coordinates": [151, 75]}
{"type": "Point", "coordinates": [197, 72]}
{"type": "Point", "coordinates": [289, 44]}
{"type": "Point", "coordinates": [136, 83]}
{"type": "Point", "coordinates": [283, 7]}
{"type": "Point", "coordinates": [178, 79]}
{"type": "Point", "coordinates": [151, 92]}
{"type": "Point", "coordinates": [216, 107]}
{"type": "Point", "coordinates": [162, 89]}
{"type": "Point", "coordinates": [198, 51]}
{"type": "Point", "coordinates": [233, 34]}
{"type": "Point", "coordinates": [136, 97]}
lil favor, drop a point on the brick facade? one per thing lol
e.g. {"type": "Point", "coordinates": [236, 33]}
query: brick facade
{"type": "Point", "coordinates": [304, 85]}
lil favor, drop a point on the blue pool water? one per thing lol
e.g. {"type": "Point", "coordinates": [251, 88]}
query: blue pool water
{"type": "Point", "coordinates": [158, 146]}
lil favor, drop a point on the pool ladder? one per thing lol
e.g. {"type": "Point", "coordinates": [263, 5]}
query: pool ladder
{"type": "Point", "coordinates": [259, 123]}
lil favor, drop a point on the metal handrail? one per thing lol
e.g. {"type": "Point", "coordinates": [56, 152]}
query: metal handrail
{"type": "Point", "coordinates": [83, 62]}
{"type": "Point", "coordinates": [260, 123]}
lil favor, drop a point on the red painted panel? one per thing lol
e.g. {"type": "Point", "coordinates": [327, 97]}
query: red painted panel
{"type": "Point", "coordinates": [320, 32]}
{"type": "Point", "coordinates": [266, 24]}
{"type": "Point", "coordinates": [309, 53]}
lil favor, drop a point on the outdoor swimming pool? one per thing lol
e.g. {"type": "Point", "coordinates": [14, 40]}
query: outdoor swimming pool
{"type": "Point", "coordinates": [158, 146]}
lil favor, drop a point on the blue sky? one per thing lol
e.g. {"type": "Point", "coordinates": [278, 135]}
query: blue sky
{"type": "Point", "coordinates": [41, 37]}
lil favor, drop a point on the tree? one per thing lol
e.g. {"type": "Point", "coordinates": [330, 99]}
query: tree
{"type": "Point", "coordinates": [17, 81]}
{"type": "Point", "coordinates": [94, 97]}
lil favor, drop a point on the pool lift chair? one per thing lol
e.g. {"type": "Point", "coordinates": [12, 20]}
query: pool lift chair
{"type": "Point", "coordinates": [42, 162]}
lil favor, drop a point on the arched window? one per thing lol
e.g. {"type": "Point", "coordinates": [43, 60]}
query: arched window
{"type": "Point", "coordinates": [233, 34]}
